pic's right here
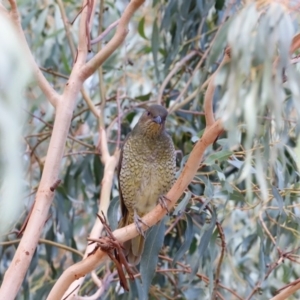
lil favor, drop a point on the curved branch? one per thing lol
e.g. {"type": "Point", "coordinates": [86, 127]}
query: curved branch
{"type": "Point", "coordinates": [124, 234]}
{"type": "Point", "coordinates": [209, 95]}
{"type": "Point", "coordinates": [91, 66]}
{"type": "Point", "coordinates": [101, 36]}
{"type": "Point", "coordinates": [42, 82]}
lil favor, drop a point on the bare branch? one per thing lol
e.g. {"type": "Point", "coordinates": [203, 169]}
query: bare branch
{"type": "Point", "coordinates": [90, 103]}
{"type": "Point", "coordinates": [85, 95]}
{"type": "Point", "coordinates": [175, 103]}
{"type": "Point", "coordinates": [67, 28]}
{"type": "Point", "coordinates": [218, 269]}
{"type": "Point", "coordinates": [208, 98]}
{"type": "Point", "coordinates": [105, 32]}
{"type": "Point", "coordinates": [90, 67]}
{"type": "Point", "coordinates": [44, 85]}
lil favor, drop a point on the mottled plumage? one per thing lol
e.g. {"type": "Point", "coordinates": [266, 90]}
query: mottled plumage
{"type": "Point", "coordinates": [146, 172]}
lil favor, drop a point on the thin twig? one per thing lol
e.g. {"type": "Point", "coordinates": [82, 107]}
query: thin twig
{"type": "Point", "coordinates": [269, 271]}
{"type": "Point", "coordinates": [52, 72]}
{"type": "Point", "coordinates": [187, 269]}
{"type": "Point", "coordinates": [67, 28]}
{"type": "Point", "coordinates": [102, 35]}
{"type": "Point", "coordinates": [102, 89]}
{"type": "Point", "coordinates": [218, 270]}
{"type": "Point", "coordinates": [178, 218]}
{"type": "Point", "coordinates": [177, 66]}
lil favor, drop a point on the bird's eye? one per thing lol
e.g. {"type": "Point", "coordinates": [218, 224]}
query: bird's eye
{"type": "Point", "coordinates": [148, 113]}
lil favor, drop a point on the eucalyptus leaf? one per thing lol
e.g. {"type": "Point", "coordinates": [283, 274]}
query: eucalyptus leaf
{"type": "Point", "coordinates": [204, 242]}
{"type": "Point", "coordinates": [188, 237]}
{"type": "Point", "coordinates": [182, 204]}
{"type": "Point", "coordinates": [279, 199]}
{"type": "Point", "coordinates": [113, 213]}
{"type": "Point", "coordinates": [153, 244]}
{"type": "Point", "coordinates": [220, 156]}
{"type": "Point", "coordinates": [141, 28]}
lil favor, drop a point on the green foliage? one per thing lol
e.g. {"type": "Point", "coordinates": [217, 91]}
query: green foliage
{"type": "Point", "coordinates": [243, 201]}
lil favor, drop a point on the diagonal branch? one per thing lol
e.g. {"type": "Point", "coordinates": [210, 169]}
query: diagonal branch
{"type": "Point", "coordinates": [44, 85]}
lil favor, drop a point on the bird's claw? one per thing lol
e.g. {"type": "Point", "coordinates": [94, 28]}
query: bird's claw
{"type": "Point", "coordinates": [137, 221]}
{"type": "Point", "coordinates": [162, 201]}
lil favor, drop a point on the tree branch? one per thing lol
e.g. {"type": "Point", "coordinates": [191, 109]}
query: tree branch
{"type": "Point", "coordinates": [209, 95]}
{"type": "Point", "coordinates": [178, 65]}
{"type": "Point", "coordinates": [85, 95]}
{"type": "Point", "coordinates": [90, 67]}
{"type": "Point", "coordinates": [102, 35]}
{"type": "Point", "coordinates": [284, 294]}
{"type": "Point", "coordinates": [42, 82]}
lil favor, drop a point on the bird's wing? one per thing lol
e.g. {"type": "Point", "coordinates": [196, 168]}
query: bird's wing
{"type": "Point", "coordinates": [124, 210]}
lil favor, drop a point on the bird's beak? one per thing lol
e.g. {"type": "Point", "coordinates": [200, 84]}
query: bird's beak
{"type": "Point", "coordinates": [157, 120]}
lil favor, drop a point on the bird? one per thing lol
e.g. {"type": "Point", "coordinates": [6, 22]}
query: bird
{"type": "Point", "coordinates": [146, 172]}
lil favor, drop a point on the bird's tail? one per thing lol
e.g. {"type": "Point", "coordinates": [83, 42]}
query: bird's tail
{"type": "Point", "coordinates": [133, 248]}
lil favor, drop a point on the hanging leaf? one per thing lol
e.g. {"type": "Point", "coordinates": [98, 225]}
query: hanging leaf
{"type": "Point", "coordinates": [113, 213]}
{"type": "Point", "coordinates": [154, 241]}
{"type": "Point", "coordinates": [182, 204]}
{"type": "Point", "coordinates": [219, 156]}
{"type": "Point", "coordinates": [188, 237]}
{"type": "Point", "coordinates": [141, 28]}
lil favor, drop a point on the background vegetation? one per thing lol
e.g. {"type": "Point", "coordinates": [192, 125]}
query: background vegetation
{"type": "Point", "coordinates": [234, 233]}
